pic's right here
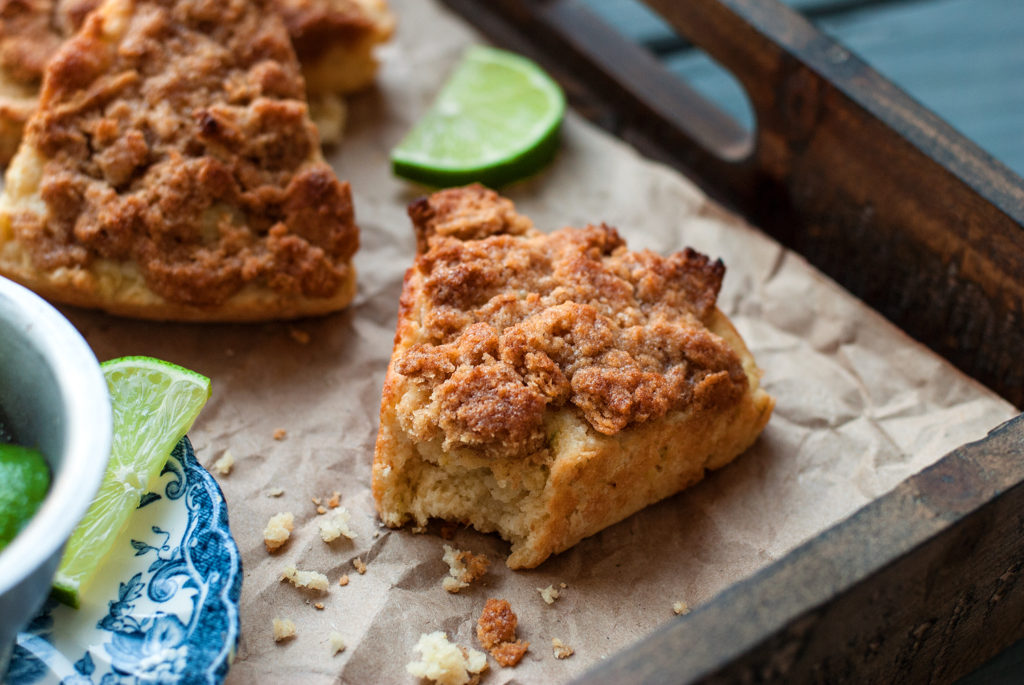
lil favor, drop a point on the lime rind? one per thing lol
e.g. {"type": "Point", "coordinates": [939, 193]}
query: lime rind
{"type": "Point", "coordinates": [496, 119]}
{"type": "Point", "coordinates": [154, 405]}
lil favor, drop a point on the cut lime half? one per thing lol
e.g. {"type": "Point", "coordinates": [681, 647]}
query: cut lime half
{"type": "Point", "coordinates": [154, 404]}
{"type": "Point", "coordinates": [495, 120]}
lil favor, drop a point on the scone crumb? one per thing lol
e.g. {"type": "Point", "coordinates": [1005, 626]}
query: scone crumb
{"type": "Point", "coordinates": [337, 642]}
{"type": "Point", "coordinates": [321, 510]}
{"type": "Point", "coordinates": [446, 663]}
{"type": "Point", "coordinates": [562, 585]}
{"type": "Point", "coordinates": [549, 594]}
{"type": "Point", "coordinates": [224, 465]}
{"type": "Point", "coordinates": [275, 492]}
{"type": "Point", "coordinates": [319, 606]}
{"type": "Point", "coordinates": [315, 500]}
{"type": "Point", "coordinates": [335, 525]}
{"type": "Point", "coordinates": [343, 581]}
{"type": "Point", "coordinates": [680, 609]}
{"type": "Point", "coordinates": [561, 650]}
{"type": "Point", "coordinates": [284, 629]}
{"type": "Point", "coordinates": [279, 529]}
{"type": "Point", "coordinates": [496, 630]}
{"type": "Point", "coordinates": [360, 566]}
{"type": "Point", "coordinates": [298, 335]}
{"type": "Point", "coordinates": [335, 500]}
{"type": "Point", "coordinates": [280, 433]}
{"type": "Point", "coordinates": [308, 580]}
{"type": "Point", "coordinates": [463, 568]}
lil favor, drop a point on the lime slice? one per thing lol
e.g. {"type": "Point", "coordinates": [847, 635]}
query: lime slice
{"type": "Point", "coordinates": [154, 404]}
{"type": "Point", "coordinates": [24, 480]}
{"type": "Point", "coordinates": [496, 120]}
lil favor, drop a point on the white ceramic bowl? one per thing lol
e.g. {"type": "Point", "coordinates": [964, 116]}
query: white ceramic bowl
{"type": "Point", "coordinates": [52, 397]}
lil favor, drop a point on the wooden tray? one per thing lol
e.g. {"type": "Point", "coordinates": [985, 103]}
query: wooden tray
{"type": "Point", "coordinates": [924, 583]}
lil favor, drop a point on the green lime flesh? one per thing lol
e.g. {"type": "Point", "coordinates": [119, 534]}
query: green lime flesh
{"type": "Point", "coordinates": [24, 482]}
{"type": "Point", "coordinates": [496, 120]}
{"type": "Point", "coordinates": [154, 404]}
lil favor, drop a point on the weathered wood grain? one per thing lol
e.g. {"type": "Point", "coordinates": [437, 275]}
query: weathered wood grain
{"type": "Point", "coordinates": [921, 585]}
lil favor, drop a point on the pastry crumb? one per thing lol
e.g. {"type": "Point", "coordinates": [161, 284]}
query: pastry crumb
{"type": "Point", "coordinates": [284, 629]}
{"type": "Point", "coordinates": [335, 525]}
{"type": "Point", "coordinates": [335, 500]}
{"type": "Point", "coordinates": [337, 642]}
{"type": "Point", "coordinates": [549, 594]}
{"type": "Point", "coordinates": [360, 566]}
{"type": "Point", "coordinates": [275, 492]}
{"type": "Point", "coordinates": [496, 630]}
{"type": "Point", "coordinates": [321, 510]}
{"type": "Point", "coordinates": [463, 568]}
{"type": "Point", "coordinates": [561, 650]}
{"type": "Point", "coordinates": [446, 663]}
{"type": "Point", "coordinates": [680, 609]}
{"type": "Point", "coordinates": [562, 585]}
{"type": "Point", "coordinates": [315, 500]}
{"type": "Point", "coordinates": [280, 433]}
{"type": "Point", "coordinates": [319, 606]}
{"type": "Point", "coordinates": [279, 529]}
{"type": "Point", "coordinates": [343, 581]}
{"type": "Point", "coordinates": [298, 335]}
{"type": "Point", "coordinates": [224, 465]}
{"type": "Point", "coordinates": [308, 580]}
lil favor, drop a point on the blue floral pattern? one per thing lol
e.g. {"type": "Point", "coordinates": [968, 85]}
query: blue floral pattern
{"type": "Point", "coordinates": [175, 621]}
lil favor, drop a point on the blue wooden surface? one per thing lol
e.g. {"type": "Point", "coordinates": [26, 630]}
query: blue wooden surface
{"type": "Point", "coordinates": [963, 59]}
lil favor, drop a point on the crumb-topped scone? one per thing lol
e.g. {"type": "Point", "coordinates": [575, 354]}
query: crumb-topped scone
{"type": "Point", "coordinates": [172, 171]}
{"type": "Point", "coordinates": [334, 39]}
{"type": "Point", "coordinates": [547, 386]}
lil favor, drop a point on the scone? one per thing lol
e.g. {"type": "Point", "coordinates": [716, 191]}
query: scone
{"type": "Point", "coordinates": [335, 40]}
{"type": "Point", "coordinates": [547, 386]}
{"type": "Point", "coordinates": [172, 171]}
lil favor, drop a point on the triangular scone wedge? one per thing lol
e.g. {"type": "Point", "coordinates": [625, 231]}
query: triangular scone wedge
{"type": "Point", "coordinates": [547, 386]}
{"type": "Point", "coordinates": [172, 171]}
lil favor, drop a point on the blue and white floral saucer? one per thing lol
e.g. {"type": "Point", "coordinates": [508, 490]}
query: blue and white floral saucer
{"type": "Point", "coordinates": [165, 610]}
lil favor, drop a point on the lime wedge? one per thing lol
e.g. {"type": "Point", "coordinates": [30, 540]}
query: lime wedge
{"type": "Point", "coordinates": [496, 120]}
{"type": "Point", "coordinates": [24, 480]}
{"type": "Point", "coordinates": [154, 404]}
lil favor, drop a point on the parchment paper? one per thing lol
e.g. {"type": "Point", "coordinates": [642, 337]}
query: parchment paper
{"type": "Point", "coordinates": [860, 407]}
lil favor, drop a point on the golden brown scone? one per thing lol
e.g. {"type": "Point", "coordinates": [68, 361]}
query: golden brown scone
{"type": "Point", "coordinates": [335, 40]}
{"type": "Point", "coordinates": [172, 171]}
{"type": "Point", "coordinates": [547, 386]}
{"type": "Point", "coordinates": [31, 31]}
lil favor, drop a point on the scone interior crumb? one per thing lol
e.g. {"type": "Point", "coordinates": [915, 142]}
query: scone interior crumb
{"type": "Point", "coordinates": [335, 525]}
{"type": "Point", "coordinates": [445, 663]}
{"type": "Point", "coordinates": [224, 465]}
{"type": "Point", "coordinates": [306, 580]}
{"type": "Point", "coordinates": [560, 649]}
{"type": "Point", "coordinates": [337, 642]}
{"type": "Point", "coordinates": [549, 594]}
{"type": "Point", "coordinates": [279, 529]}
{"type": "Point", "coordinates": [284, 629]}
{"type": "Point", "coordinates": [680, 608]}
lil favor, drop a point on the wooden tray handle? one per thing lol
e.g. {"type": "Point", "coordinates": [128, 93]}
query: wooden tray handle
{"type": "Point", "coordinates": [844, 167]}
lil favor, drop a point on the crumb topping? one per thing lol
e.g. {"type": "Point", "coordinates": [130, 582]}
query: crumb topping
{"type": "Point", "coordinates": [513, 323]}
{"type": "Point", "coordinates": [32, 30]}
{"type": "Point", "coordinates": [496, 630]}
{"type": "Point", "coordinates": [185, 146]}
{"type": "Point", "coordinates": [463, 568]}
